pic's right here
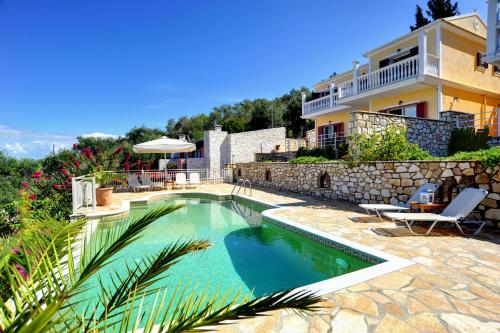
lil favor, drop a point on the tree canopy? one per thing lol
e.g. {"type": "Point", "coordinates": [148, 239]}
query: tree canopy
{"type": "Point", "coordinates": [247, 115]}
{"type": "Point", "coordinates": [436, 9]}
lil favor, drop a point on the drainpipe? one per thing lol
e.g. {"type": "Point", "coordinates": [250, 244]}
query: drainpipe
{"type": "Point", "coordinates": [422, 52]}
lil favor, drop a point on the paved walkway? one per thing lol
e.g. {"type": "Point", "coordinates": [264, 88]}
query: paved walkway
{"type": "Point", "coordinates": [454, 287]}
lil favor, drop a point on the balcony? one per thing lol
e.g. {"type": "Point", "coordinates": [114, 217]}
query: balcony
{"type": "Point", "coordinates": [320, 104]}
{"type": "Point", "coordinates": [390, 75]}
{"type": "Point", "coordinates": [386, 77]}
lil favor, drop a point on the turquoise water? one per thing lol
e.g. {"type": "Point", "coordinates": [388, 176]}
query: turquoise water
{"type": "Point", "coordinates": [247, 254]}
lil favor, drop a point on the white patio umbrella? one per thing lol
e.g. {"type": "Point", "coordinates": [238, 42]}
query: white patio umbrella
{"type": "Point", "coordinates": [164, 145]}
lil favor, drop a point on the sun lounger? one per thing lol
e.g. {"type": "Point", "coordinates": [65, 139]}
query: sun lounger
{"type": "Point", "coordinates": [378, 208]}
{"type": "Point", "coordinates": [133, 183]}
{"type": "Point", "coordinates": [146, 181]}
{"type": "Point", "coordinates": [194, 179]}
{"type": "Point", "coordinates": [456, 212]}
{"type": "Point", "coordinates": [180, 179]}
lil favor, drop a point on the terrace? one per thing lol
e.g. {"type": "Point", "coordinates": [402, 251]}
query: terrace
{"type": "Point", "coordinates": [401, 72]}
{"type": "Point", "coordinates": [451, 287]}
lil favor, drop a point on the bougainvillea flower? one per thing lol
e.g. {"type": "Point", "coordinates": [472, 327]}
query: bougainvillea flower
{"type": "Point", "coordinates": [22, 271]}
{"type": "Point", "coordinates": [77, 164]}
{"type": "Point", "coordinates": [75, 146]}
{"type": "Point", "coordinates": [126, 166]}
{"type": "Point", "coordinates": [118, 150]}
{"type": "Point", "coordinates": [24, 184]}
{"type": "Point", "coordinates": [15, 250]}
{"type": "Point", "coordinates": [64, 171]}
{"type": "Point", "coordinates": [127, 157]}
{"type": "Point", "coordinates": [87, 152]}
{"type": "Point", "coordinates": [32, 196]}
{"type": "Point", "coordinates": [37, 175]}
{"type": "Point", "coordinates": [55, 186]}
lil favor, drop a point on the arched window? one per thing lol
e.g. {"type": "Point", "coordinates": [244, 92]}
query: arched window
{"type": "Point", "coordinates": [324, 180]}
{"type": "Point", "coordinates": [268, 175]}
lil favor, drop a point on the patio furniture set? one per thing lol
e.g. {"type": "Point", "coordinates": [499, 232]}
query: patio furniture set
{"type": "Point", "coordinates": [144, 182]}
{"type": "Point", "coordinates": [457, 212]}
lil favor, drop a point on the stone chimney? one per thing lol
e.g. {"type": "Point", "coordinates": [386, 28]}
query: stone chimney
{"type": "Point", "coordinates": [182, 137]}
{"type": "Point", "coordinates": [218, 128]}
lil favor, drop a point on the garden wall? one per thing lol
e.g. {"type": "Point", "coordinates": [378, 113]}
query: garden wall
{"type": "Point", "coordinates": [430, 134]}
{"type": "Point", "coordinates": [378, 182]}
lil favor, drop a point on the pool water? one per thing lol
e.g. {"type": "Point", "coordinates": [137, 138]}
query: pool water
{"type": "Point", "coordinates": [247, 254]}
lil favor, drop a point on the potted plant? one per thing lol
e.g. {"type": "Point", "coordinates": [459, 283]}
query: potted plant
{"type": "Point", "coordinates": [105, 185]}
{"type": "Point", "coordinates": [105, 180]}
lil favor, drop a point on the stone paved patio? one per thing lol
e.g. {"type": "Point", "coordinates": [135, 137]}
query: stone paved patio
{"type": "Point", "coordinates": [454, 287]}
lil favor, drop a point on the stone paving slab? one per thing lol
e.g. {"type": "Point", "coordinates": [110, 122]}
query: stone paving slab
{"type": "Point", "coordinates": [454, 287]}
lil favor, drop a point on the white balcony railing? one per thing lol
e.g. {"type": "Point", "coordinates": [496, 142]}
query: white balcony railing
{"type": "Point", "coordinates": [432, 67]}
{"type": "Point", "coordinates": [322, 103]}
{"type": "Point", "coordinates": [383, 77]}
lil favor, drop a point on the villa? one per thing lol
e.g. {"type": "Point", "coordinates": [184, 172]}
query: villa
{"type": "Point", "coordinates": [428, 78]}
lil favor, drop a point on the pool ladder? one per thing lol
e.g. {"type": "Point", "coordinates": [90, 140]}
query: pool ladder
{"type": "Point", "coordinates": [239, 184]}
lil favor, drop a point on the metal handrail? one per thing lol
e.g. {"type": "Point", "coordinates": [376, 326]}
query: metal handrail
{"type": "Point", "coordinates": [241, 183]}
{"type": "Point", "coordinates": [236, 185]}
{"type": "Point", "coordinates": [245, 187]}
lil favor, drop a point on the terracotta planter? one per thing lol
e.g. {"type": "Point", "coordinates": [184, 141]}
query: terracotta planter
{"type": "Point", "coordinates": [104, 196]}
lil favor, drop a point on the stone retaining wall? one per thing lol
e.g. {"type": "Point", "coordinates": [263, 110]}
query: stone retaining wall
{"type": "Point", "coordinates": [430, 134]}
{"type": "Point", "coordinates": [378, 182]}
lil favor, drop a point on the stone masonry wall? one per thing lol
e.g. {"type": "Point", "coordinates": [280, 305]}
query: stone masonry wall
{"type": "Point", "coordinates": [378, 182]}
{"type": "Point", "coordinates": [430, 134]}
{"type": "Point", "coordinates": [222, 148]}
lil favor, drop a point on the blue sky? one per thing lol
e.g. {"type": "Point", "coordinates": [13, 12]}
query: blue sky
{"type": "Point", "coordinates": [70, 68]}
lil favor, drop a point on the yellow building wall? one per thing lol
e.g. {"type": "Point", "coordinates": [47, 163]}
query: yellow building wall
{"type": "Point", "coordinates": [412, 42]}
{"type": "Point", "coordinates": [428, 95]}
{"type": "Point", "coordinates": [468, 23]}
{"type": "Point", "coordinates": [475, 103]}
{"type": "Point", "coordinates": [458, 63]}
{"type": "Point", "coordinates": [332, 118]}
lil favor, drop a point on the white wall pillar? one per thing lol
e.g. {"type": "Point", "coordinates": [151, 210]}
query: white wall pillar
{"type": "Point", "coordinates": [439, 100]}
{"type": "Point", "coordinates": [422, 52]}
{"type": "Point", "coordinates": [438, 47]}
{"type": "Point", "coordinates": [355, 75]}
{"type": "Point", "coordinates": [332, 91]}
{"type": "Point", "coordinates": [304, 95]}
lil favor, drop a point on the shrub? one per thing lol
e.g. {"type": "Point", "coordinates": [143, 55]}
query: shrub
{"type": "Point", "coordinates": [308, 160]}
{"type": "Point", "coordinates": [329, 152]}
{"type": "Point", "coordinates": [489, 157]}
{"type": "Point", "coordinates": [467, 139]}
{"type": "Point", "coordinates": [390, 146]}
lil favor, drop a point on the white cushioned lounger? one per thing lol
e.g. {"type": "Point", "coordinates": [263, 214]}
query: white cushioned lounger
{"type": "Point", "coordinates": [378, 208]}
{"type": "Point", "coordinates": [457, 211]}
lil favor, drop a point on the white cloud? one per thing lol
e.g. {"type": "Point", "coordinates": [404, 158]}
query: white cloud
{"type": "Point", "coordinates": [29, 143]}
{"type": "Point", "coordinates": [16, 148]}
{"type": "Point", "coordinates": [99, 135]}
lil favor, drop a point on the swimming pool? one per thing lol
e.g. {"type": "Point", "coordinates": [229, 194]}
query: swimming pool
{"type": "Point", "coordinates": [251, 253]}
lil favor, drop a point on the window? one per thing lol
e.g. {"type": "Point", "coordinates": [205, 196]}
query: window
{"type": "Point", "coordinates": [268, 175]}
{"type": "Point", "coordinates": [496, 70]}
{"type": "Point", "coordinates": [399, 55]}
{"type": "Point", "coordinates": [411, 110]}
{"type": "Point", "coordinates": [480, 63]}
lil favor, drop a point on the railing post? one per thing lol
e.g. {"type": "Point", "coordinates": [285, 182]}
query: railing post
{"type": "Point", "coordinates": [355, 75]}
{"type": "Point", "coordinates": [94, 201]}
{"type": "Point", "coordinates": [74, 195]}
{"type": "Point", "coordinates": [304, 95]}
{"type": "Point", "coordinates": [332, 89]}
{"type": "Point", "coordinates": [422, 52]}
